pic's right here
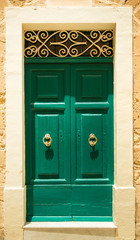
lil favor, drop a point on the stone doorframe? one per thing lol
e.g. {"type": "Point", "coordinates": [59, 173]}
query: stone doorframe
{"type": "Point", "coordinates": [120, 20]}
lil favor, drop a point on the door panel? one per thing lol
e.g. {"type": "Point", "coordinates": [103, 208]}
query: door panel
{"type": "Point", "coordinates": [92, 201]}
{"type": "Point", "coordinates": [44, 115]}
{"type": "Point", "coordinates": [49, 161]}
{"type": "Point", "coordinates": [46, 203]}
{"type": "Point", "coordinates": [48, 85]}
{"type": "Point", "coordinates": [91, 84]}
{"type": "Point", "coordinates": [89, 159]}
{"type": "Point", "coordinates": [92, 115]}
{"type": "Point", "coordinates": [70, 180]}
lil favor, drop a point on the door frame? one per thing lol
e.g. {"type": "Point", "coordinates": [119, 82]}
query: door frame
{"type": "Point", "coordinates": [120, 20]}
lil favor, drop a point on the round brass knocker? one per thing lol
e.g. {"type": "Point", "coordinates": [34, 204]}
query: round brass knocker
{"type": "Point", "coordinates": [48, 139]}
{"type": "Point", "coordinates": [92, 140]}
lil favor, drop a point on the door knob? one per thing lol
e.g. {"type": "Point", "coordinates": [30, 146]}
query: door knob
{"type": "Point", "coordinates": [92, 140]}
{"type": "Point", "coordinates": [47, 140]}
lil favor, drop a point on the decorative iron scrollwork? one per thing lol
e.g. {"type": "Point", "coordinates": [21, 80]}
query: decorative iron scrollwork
{"type": "Point", "coordinates": [68, 43]}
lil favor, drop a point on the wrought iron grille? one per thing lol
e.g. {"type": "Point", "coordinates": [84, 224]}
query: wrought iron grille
{"type": "Point", "coordinates": [68, 43]}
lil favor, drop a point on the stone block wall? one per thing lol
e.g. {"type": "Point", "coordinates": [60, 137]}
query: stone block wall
{"type": "Point", "coordinates": [136, 90]}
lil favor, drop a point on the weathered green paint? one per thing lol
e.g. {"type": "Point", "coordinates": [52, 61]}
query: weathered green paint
{"type": "Point", "coordinates": [47, 164]}
{"type": "Point", "coordinates": [69, 99]}
{"type": "Point", "coordinates": [69, 200]}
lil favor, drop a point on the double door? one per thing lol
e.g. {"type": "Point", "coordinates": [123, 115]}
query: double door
{"type": "Point", "coordinates": [69, 140]}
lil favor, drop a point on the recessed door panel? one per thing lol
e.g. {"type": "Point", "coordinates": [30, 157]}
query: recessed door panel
{"type": "Point", "coordinates": [91, 84]}
{"type": "Point", "coordinates": [90, 158]}
{"type": "Point", "coordinates": [49, 160]}
{"type": "Point", "coordinates": [48, 84]}
{"type": "Point", "coordinates": [92, 201]}
{"type": "Point", "coordinates": [49, 203]}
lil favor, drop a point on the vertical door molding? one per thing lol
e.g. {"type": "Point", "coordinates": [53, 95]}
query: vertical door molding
{"type": "Point", "coordinates": [120, 20]}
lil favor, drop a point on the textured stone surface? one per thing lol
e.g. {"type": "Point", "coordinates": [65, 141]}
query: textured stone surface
{"type": "Point", "coordinates": [136, 103]}
{"type": "Point", "coordinates": [136, 155]}
{"type": "Point", "coordinates": [136, 100]}
{"type": "Point", "coordinates": [136, 106]}
{"type": "Point", "coordinates": [136, 176]}
{"type": "Point", "coordinates": [133, 3]}
{"type": "Point", "coordinates": [136, 43]}
{"type": "Point", "coordinates": [137, 13]}
{"type": "Point", "coordinates": [137, 119]}
{"type": "Point", "coordinates": [106, 2]}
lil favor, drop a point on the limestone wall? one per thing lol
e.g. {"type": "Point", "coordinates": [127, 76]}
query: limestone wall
{"type": "Point", "coordinates": [136, 63]}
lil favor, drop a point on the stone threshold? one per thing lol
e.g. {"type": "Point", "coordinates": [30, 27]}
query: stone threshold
{"type": "Point", "coordinates": [95, 225]}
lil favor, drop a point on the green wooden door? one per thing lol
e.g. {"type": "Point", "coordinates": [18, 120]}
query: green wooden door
{"type": "Point", "coordinates": [69, 99]}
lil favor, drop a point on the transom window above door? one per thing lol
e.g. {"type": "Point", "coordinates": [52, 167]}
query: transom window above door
{"type": "Point", "coordinates": [69, 43]}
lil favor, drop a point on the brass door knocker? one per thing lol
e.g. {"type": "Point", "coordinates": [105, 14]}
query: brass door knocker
{"type": "Point", "coordinates": [92, 140]}
{"type": "Point", "coordinates": [47, 140]}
